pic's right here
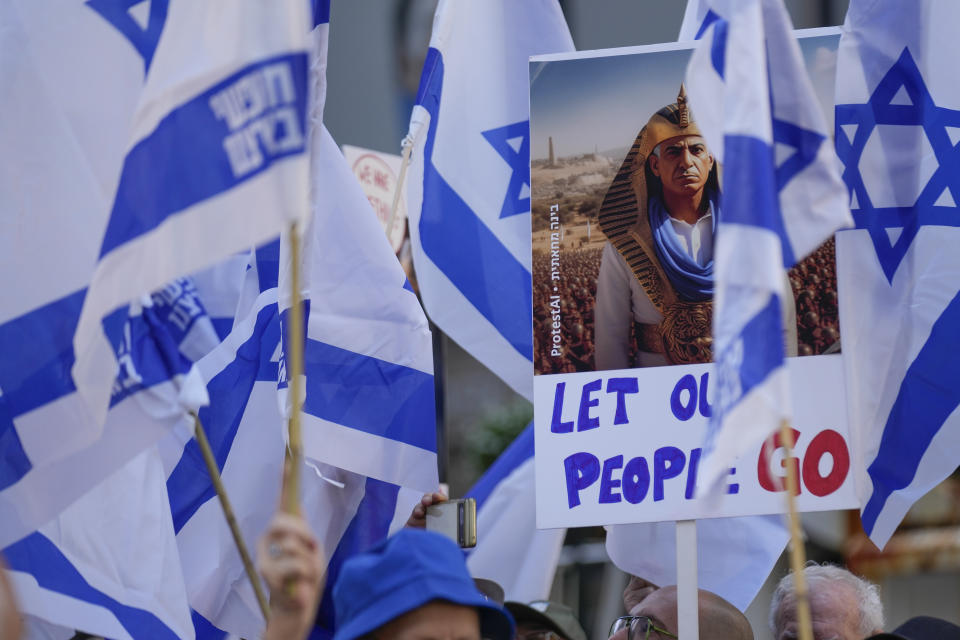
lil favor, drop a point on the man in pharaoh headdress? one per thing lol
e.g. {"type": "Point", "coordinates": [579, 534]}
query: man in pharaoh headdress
{"type": "Point", "coordinates": [656, 274]}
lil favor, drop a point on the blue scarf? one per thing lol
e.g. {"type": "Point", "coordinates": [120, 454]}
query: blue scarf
{"type": "Point", "coordinates": [691, 281]}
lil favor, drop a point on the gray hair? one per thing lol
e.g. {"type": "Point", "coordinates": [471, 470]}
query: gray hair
{"type": "Point", "coordinates": [819, 576]}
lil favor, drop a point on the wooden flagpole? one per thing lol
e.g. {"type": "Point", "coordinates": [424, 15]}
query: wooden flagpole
{"type": "Point", "coordinates": [404, 163]}
{"type": "Point", "coordinates": [214, 472]}
{"type": "Point", "coordinates": [294, 363]}
{"type": "Point", "coordinates": [797, 553]}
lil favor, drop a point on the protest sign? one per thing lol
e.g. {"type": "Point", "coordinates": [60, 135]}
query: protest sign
{"type": "Point", "coordinates": [623, 446]}
{"type": "Point", "coordinates": [614, 289]}
{"type": "Point", "coordinates": [377, 173]}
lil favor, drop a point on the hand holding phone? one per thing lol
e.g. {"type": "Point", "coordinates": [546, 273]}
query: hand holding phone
{"type": "Point", "coordinates": [456, 519]}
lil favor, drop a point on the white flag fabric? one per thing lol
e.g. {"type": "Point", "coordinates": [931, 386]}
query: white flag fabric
{"type": "Point", "coordinates": [750, 93]}
{"type": "Point", "coordinates": [348, 512]}
{"type": "Point", "coordinates": [108, 565]}
{"type": "Point", "coordinates": [213, 156]}
{"type": "Point", "coordinates": [368, 357]}
{"type": "Point", "coordinates": [468, 187]}
{"type": "Point", "coordinates": [734, 555]}
{"type": "Point", "coordinates": [91, 566]}
{"type": "Point", "coordinates": [694, 20]}
{"type": "Point", "coordinates": [510, 549]}
{"type": "Point", "coordinates": [71, 83]}
{"type": "Point", "coordinates": [383, 510]}
{"type": "Point", "coordinates": [244, 426]}
{"type": "Point", "coordinates": [897, 117]}
{"type": "Point", "coordinates": [53, 451]}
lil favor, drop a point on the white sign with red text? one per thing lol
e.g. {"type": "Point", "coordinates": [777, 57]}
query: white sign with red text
{"type": "Point", "coordinates": [378, 173]}
{"type": "Point", "coordinates": [618, 447]}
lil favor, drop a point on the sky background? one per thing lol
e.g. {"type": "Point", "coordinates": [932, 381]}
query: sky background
{"type": "Point", "coordinates": [601, 103]}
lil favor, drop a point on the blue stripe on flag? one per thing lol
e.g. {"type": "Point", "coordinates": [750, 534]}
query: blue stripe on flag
{"type": "Point", "coordinates": [462, 246]}
{"type": "Point", "coordinates": [708, 20]}
{"type": "Point", "coordinates": [14, 463]}
{"type": "Point", "coordinates": [762, 345]}
{"type": "Point", "coordinates": [928, 395]}
{"type": "Point", "coordinates": [881, 218]}
{"type": "Point", "coordinates": [222, 326]}
{"type": "Point", "coordinates": [189, 485]}
{"type": "Point", "coordinates": [37, 350]}
{"type": "Point", "coordinates": [154, 350]}
{"type": "Point", "coordinates": [369, 526]}
{"type": "Point", "coordinates": [267, 257]}
{"type": "Point", "coordinates": [321, 11]}
{"type": "Point", "coordinates": [368, 394]}
{"type": "Point", "coordinates": [751, 355]}
{"type": "Point", "coordinates": [519, 451]}
{"type": "Point", "coordinates": [749, 191]}
{"type": "Point", "coordinates": [38, 556]}
{"type": "Point", "coordinates": [718, 45]}
{"type": "Point", "coordinates": [204, 629]}
{"type": "Point", "coordinates": [198, 150]}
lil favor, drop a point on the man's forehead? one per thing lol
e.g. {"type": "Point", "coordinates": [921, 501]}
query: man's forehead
{"type": "Point", "coordinates": [661, 605]}
{"type": "Point", "coordinates": [683, 141]}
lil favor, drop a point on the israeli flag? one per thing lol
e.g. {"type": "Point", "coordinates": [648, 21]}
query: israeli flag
{"type": "Point", "coordinates": [242, 423]}
{"type": "Point", "coordinates": [213, 157]}
{"type": "Point", "coordinates": [383, 509]}
{"type": "Point", "coordinates": [468, 186]}
{"type": "Point", "coordinates": [71, 82]}
{"type": "Point", "coordinates": [53, 451]}
{"type": "Point", "coordinates": [897, 118]}
{"type": "Point", "coordinates": [348, 512]}
{"type": "Point", "coordinates": [510, 550]}
{"type": "Point", "coordinates": [368, 356]}
{"type": "Point", "coordinates": [107, 565]}
{"type": "Point", "coordinates": [782, 197]}
{"type": "Point", "coordinates": [245, 428]}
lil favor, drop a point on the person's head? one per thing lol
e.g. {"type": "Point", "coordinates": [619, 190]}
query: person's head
{"type": "Point", "coordinates": [668, 156]}
{"type": "Point", "coordinates": [672, 159]}
{"type": "Point", "coordinates": [655, 618]}
{"type": "Point", "coordinates": [842, 606]}
{"type": "Point", "coordinates": [414, 585]}
{"type": "Point", "coordinates": [545, 620]}
{"type": "Point", "coordinates": [682, 164]}
{"type": "Point", "coordinates": [922, 628]}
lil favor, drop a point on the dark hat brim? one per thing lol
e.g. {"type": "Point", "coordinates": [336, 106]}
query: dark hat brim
{"type": "Point", "coordinates": [522, 612]}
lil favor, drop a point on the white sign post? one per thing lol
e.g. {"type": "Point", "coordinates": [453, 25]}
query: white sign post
{"type": "Point", "coordinates": [688, 618]}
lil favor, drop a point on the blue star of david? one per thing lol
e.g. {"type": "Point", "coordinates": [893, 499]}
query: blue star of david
{"type": "Point", "coordinates": [934, 121]}
{"type": "Point", "coordinates": [117, 13]}
{"type": "Point", "coordinates": [519, 162]}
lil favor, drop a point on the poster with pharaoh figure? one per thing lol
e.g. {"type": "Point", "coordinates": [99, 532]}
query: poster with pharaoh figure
{"type": "Point", "coordinates": [625, 199]}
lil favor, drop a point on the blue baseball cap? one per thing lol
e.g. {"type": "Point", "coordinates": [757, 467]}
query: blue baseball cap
{"type": "Point", "coordinates": [408, 570]}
